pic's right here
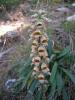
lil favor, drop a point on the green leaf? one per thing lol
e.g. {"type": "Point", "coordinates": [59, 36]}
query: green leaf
{"type": "Point", "coordinates": [69, 74]}
{"type": "Point", "coordinates": [53, 73]}
{"type": "Point", "coordinates": [59, 82]}
{"type": "Point", "coordinates": [17, 85]}
{"type": "Point", "coordinates": [34, 1]}
{"type": "Point", "coordinates": [26, 71]}
{"type": "Point", "coordinates": [25, 66]}
{"type": "Point", "coordinates": [30, 82]}
{"type": "Point", "coordinates": [26, 80]}
{"type": "Point", "coordinates": [33, 86]}
{"type": "Point", "coordinates": [39, 95]}
{"type": "Point", "coordinates": [53, 82]}
{"type": "Point", "coordinates": [49, 49]}
{"type": "Point", "coordinates": [63, 53]}
{"type": "Point", "coordinates": [65, 96]}
{"type": "Point", "coordinates": [52, 93]}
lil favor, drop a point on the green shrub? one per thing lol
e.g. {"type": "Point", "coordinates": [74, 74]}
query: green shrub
{"type": "Point", "coordinates": [9, 2]}
{"type": "Point", "coordinates": [69, 26]}
{"type": "Point", "coordinates": [39, 1]}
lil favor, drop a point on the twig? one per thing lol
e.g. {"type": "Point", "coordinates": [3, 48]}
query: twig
{"type": "Point", "coordinates": [37, 4]}
{"type": "Point", "coordinates": [3, 44]}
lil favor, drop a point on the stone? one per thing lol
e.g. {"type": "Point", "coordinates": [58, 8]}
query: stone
{"type": "Point", "coordinates": [9, 83]}
{"type": "Point", "coordinates": [73, 4]}
{"type": "Point", "coordinates": [11, 34]}
{"type": "Point", "coordinates": [34, 15]}
{"type": "Point", "coordinates": [72, 7]}
{"type": "Point", "coordinates": [41, 11]}
{"type": "Point", "coordinates": [63, 9]}
{"type": "Point", "coordinates": [47, 19]}
{"type": "Point", "coordinates": [71, 18]}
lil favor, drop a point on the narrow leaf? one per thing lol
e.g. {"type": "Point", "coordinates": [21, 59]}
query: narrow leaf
{"type": "Point", "coordinates": [33, 86]}
{"type": "Point", "coordinates": [63, 53]}
{"type": "Point", "coordinates": [65, 96]}
{"type": "Point", "coordinates": [38, 95]}
{"type": "Point", "coordinates": [69, 74]}
{"type": "Point", "coordinates": [53, 72]}
{"type": "Point", "coordinates": [59, 82]}
{"type": "Point", "coordinates": [52, 93]}
{"type": "Point", "coordinates": [49, 49]}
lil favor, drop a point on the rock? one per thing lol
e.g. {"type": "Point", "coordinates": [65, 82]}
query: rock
{"type": "Point", "coordinates": [41, 11]}
{"type": "Point", "coordinates": [11, 34]}
{"type": "Point", "coordinates": [63, 9]}
{"type": "Point", "coordinates": [71, 18]}
{"type": "Point", "coordinates": [9, 83]}
{"type": "Point", "coordinates": [9, 37]}
{"type": "Point", "coordinates": [47, 19]}
{"type": "Point", "coordinates": [72, 7]}
{"type": "Point", "coordinates": [34, 15]}
{"type": "Point", "coordinates": [73, 4]}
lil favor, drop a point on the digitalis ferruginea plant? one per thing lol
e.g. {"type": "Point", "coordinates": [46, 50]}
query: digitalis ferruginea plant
{"type": "Point", "coordinates": [43, 74]}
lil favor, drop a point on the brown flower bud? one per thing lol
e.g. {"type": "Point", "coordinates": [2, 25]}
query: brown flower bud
{"type": "Point", "coordinates": [41, 51]}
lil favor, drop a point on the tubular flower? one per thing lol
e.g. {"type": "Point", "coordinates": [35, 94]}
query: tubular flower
{"type": "Point", "coordinates": [37, 34]}
{"type": "Point", "coordinates": [44, 40]}
{"type": "Point", "coordinates": [36, 61]}
{"type": "Point", "coordinates": [45, 69]}
{"type": "Point", "coordinates": [35, 43]}
{"type": "Point", "coordinates": [39, 25]}
{"type": "Point", "coordinates": [41, 51]}
{"type": "Point", "coordinates": [35, 71]}
{"type": "Point", "coordinates": [42, 79]}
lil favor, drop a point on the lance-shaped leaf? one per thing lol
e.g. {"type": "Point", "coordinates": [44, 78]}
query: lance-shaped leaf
{"type": "Point", "coordinates": [69, 74]}
{"type": "Point", "coordinates": [49, 48]}
{"type": "Point", "coordinates": [52, 92]}
{"type": "Point", "coordinates": [33, 86]}
{"type": "Point", "coordinates": [53, 72]}
{"type": "Point", "coordinates": [65, 95]}
{"type": "Point", "coordinates": [38, 95]}
{"type": "Point", "coordinates": [63, 53]}
{"type": "Point", "coordinates": [59, 82]}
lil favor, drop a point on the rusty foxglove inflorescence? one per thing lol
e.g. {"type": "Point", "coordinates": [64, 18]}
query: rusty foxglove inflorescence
{"type": "Point", "coordinates": [39, 55]}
